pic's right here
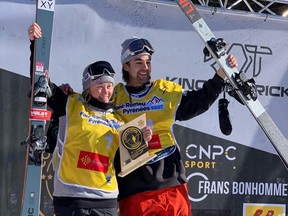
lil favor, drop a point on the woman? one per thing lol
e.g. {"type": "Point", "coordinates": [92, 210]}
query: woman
{"type": "Point", "coordinates": [85, 181]}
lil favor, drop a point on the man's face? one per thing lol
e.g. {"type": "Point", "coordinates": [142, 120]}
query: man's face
{"type": "Point", "coordinates": [139, 69]}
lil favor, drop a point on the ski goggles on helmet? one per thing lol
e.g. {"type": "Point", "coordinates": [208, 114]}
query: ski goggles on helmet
{"type": "Point", "coordinates": [97, 70]}
{"type": "Point", "coordinates": [105, 71]}
{"type": "Point", "coordinates": [137, 47]}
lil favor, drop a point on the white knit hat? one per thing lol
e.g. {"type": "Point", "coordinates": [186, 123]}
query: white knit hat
{"type": "Point", "coordinates": [127, 54]}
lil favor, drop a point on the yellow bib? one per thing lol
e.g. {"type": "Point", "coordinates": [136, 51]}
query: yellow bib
{"type": "Point", "coordinates": [90, 146]}
{"type": "Point", "coordinates": [159, 103]}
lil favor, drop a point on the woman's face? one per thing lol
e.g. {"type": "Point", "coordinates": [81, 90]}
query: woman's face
{"type": "Point", "coordinates": [102, 92]}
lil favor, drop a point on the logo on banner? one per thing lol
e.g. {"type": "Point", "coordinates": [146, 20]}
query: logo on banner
{"type": "Point", "coordinates": [208, 187]}
{"type": "Point", "coordinates": [254, 56]}
{"type": "Point", "coordinates": [264, 209]}
{"type": "Point", "coordinates": [204, 157]}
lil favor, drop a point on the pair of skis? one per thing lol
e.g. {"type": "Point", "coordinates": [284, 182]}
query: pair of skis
{"type": "Point", "coordinates": [243, 87]}
{"type": "Point", "coordinates": [36, 139]}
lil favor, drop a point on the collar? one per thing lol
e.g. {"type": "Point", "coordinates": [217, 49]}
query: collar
{"type": "Point", "coordinates": [100, 105]}
{"type": "Point", "coordinates": [137, 89]}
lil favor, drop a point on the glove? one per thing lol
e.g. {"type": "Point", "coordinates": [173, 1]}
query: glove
{"type": "Point", "coordinates": [224, 118]}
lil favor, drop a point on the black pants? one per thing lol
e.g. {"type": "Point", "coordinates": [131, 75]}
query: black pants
{"type": "Point", "coordinates": [68, 211]}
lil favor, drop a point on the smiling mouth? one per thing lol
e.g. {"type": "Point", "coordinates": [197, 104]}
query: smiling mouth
{"type": "Point", "coordinates": [143, 74]}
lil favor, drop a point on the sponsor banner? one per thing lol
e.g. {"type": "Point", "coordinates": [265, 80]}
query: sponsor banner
{"type": "Point", "coordinates": [223, 175]}
{"type": "Point", "coordinates": [265, 209]}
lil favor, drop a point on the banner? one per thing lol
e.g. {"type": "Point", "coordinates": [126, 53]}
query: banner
{"type": "Point", "coordinates": [237, 174]}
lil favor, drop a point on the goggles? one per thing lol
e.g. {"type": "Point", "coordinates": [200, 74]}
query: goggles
{"type": "Point", "coordinates": [97, 68]}
{"type": "Point", "coordinates": [105, 71]}
{"type": "Point", "coordinates": [138, 46]}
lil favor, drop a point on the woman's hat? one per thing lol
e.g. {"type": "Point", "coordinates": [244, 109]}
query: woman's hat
{"type": "Point", "coordinates": [96, 73]}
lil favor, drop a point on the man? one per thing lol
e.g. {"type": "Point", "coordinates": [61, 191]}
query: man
{"type": "Point", "coordinates": [160, 186]}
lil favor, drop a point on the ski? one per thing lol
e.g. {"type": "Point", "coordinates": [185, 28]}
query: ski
{"type": "Point", "coordinates": [36, 139]}
{"type": "Point", "coordinates": [246, 92]}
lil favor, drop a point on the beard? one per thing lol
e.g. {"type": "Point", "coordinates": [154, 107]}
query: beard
{"type": "Point", "coordinates": [143, 79]}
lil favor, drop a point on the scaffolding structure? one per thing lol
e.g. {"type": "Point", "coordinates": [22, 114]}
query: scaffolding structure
{"type": "Point", "coordinates": [272, 7]}
{"type": "Point", "coordinates": [275, 9]}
